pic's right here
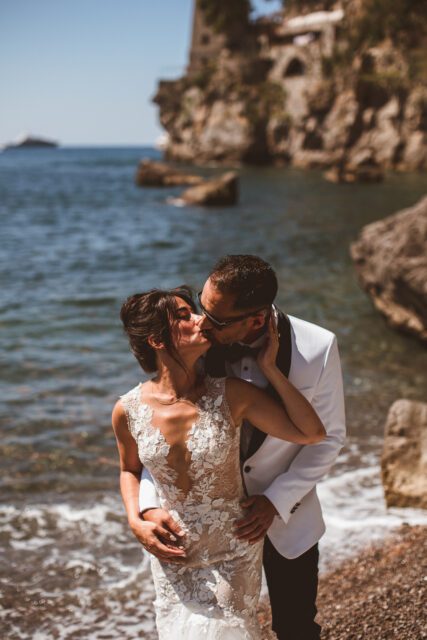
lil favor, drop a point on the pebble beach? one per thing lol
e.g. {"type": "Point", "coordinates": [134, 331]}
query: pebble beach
{"type": "Point", "coordinates": [380, 594]}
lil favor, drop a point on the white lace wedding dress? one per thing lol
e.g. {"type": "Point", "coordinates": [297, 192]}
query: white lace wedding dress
{"type": "Point", "coordinates": [214, 595]}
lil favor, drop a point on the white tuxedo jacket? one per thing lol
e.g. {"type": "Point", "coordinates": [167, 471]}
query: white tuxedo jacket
{"type": "Point", "coordinates": [287, 473]}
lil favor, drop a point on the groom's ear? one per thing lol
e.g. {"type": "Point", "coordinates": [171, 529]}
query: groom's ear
{"type": "Point", "coordinates": [260, 319]}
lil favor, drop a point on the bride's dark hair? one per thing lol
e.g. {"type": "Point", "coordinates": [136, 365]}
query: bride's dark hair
{"type": "Point", "coordinates": [151, 315]}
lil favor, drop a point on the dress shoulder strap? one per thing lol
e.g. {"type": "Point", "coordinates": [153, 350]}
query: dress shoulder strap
{"type": "Point", "coordinates": [215, 387]}
{"type": "Point", "coordinates": [216, 392]}
{"type": "Point", "coordinates": [131, 403]}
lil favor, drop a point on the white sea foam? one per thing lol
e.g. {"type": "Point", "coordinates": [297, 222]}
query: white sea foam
{"type": "Point", "coordinates": [87, 567]}
{"type": "Point", "coordinates": [356, 514]}
{"type": "Point", "coordinates": [176, 202]}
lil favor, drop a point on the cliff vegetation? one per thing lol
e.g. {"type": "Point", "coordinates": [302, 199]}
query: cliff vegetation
{"type": "Point", "coordinates": [318, 84]}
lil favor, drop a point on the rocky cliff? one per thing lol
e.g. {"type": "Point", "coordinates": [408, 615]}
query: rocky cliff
{"type": "Point", "coordinates": [314, 88]}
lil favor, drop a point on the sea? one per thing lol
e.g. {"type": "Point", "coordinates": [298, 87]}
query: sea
{"type": "Point", "coordinates": [77, 237]}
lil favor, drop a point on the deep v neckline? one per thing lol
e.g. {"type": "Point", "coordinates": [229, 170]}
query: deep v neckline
{"type": "Point", "coordinates": [189, 437]}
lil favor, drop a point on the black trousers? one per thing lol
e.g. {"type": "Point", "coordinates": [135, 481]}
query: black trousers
{"type": "Point", "coordinates": [292, 585]}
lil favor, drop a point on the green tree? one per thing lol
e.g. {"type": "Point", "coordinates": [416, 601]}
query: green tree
{"type": "Point", "coordinates": [230, 17]}
{"type": "Point", "coordinates": [403, 21]}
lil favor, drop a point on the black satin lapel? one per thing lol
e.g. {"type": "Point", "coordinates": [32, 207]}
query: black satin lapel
{"type": "Point", "coordinates": [283, 361]}
{"type": "Point", "coordinates": [257, 439]}
{"type": "Point", "coordinates": [284, 356]}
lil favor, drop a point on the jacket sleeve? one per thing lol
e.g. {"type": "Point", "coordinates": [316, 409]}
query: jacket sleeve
{"type": "Point", "coordinates": [148, 498]}
{"type": "Point", "coordinates": [314, 461]}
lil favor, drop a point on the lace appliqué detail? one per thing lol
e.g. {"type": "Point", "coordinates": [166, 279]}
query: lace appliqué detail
{"type": "Point", "coordinates": [213, 595]}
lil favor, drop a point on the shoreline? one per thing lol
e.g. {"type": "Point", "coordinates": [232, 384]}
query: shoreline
{"type": "Point", "coordinates": [378, 594]}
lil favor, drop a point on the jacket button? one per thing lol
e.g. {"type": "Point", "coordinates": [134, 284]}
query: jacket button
{"type": "Point", "coordinates": [247, 468]}
{"type": "Point", "coordinates": [295, 507]}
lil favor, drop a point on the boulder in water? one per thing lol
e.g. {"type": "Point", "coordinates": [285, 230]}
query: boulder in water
{"type": "Point", "coordinates": [159, 174]}
{"type": "Point", "coordinates": [390, 257]}
{"type": "Point", "coordinates": [348, 174]}
{"type": "Point", "coordinates": [359, 167]}
{"type": "Point", "coordinates": [220, 191]}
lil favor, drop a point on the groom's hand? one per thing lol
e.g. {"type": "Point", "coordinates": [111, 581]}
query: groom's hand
{"type": "Point", "coordinates": [160, 535]}
{"type": "Point", "coordinates": [256, 523]}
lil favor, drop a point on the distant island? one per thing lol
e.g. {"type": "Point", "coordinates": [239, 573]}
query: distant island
{"type": "Point", "coordinates": [26, 141]}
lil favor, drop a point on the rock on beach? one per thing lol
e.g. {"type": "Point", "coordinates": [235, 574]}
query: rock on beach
{"type": "Point", "coordinates": [404, 458]}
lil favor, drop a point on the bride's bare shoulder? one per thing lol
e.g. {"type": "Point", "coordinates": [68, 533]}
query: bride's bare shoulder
{"type": "Point", "coordinates": [118, 416]}
{"type": "Point", "coordinates": [235, 385]}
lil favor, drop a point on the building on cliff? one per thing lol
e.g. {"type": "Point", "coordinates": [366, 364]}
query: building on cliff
{"type": "Point", "coordinates": [300, 94]}
{"type": "Point", "coordinates": [295, 34]}
{"type": "Point", "coordinates": [296, 47]}
{"type": "Point", "coordinates": [205, 43]}
{"type": "Point", "coordinates": [319, 26]}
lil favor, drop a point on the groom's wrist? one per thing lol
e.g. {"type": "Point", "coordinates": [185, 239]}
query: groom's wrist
{"type": "Point", "coordinates": [145, 511]}
{"type": "Point", "coordinates": [270, 371]}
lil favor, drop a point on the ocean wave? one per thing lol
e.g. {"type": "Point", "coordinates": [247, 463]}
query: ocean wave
{"type": "Point", "coordinates": [356, 514]}
{"type": "Point", "coordinates": [73, 570]}
{"type": "Point", "coordinates": [78, 570]}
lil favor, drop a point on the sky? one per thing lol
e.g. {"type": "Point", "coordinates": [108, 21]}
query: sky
{"type": "Point", "coordinates": [83, 72]}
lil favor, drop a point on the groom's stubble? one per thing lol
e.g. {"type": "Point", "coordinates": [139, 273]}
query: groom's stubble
{"type": "Point", "coordinates": [222, 306]}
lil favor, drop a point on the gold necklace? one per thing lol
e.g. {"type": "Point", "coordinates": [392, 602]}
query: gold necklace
{"type": "Point", "coordinates": [178, 398]}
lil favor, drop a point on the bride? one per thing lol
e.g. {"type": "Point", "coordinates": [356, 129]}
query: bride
{"type": "Point", "coordinates": [184, 427]}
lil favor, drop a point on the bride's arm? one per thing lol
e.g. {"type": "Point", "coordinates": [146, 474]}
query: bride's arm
{"type": "Point", "coordinates": [248, 402]}
{"type": "Point", "coordinates": [149, 534]}
{"type": "Point", "coordinates": [295, 420]}
{"type": "Point", "coordinates": [130, 465]}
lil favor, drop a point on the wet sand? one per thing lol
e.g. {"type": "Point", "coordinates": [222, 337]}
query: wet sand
{"type": "Point", "coordinates": [379, 595]}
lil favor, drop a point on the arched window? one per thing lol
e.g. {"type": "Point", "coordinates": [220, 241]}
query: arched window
{"type": "Point", "coordinates": [294, 68]}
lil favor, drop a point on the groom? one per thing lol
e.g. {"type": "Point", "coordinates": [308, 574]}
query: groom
{"type": "Point", "coordinates": [280, 477]}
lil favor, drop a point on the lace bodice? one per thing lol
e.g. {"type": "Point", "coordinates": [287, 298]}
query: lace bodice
{"type": "Point", "coordinates": [220, 581]}
{"type": "Point", "coordinates": [213, 443]}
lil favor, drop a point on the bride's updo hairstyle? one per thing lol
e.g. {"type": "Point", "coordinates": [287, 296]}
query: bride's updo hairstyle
{"type": "Point", "coordinates": [152, 315]}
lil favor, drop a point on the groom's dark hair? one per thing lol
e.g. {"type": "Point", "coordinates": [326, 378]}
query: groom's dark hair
{"type": "Point", "coordinates": [249, 279]}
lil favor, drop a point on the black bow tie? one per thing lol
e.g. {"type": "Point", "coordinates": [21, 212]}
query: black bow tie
{"type": "Point", "coordinates": [238, 351]}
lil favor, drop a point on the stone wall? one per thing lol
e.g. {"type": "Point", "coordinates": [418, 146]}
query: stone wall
{"type": "Point", "coordinates": [205, 43]}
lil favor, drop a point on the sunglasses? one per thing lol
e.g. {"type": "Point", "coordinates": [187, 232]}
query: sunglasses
{"type": "Point", "coordinates": [221, 324]}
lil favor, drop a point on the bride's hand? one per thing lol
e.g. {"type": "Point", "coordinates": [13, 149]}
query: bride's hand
{"type": "Point", "coordinates": [160, 535]}
{"type": "Point", "coordinates": [267, 356]}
